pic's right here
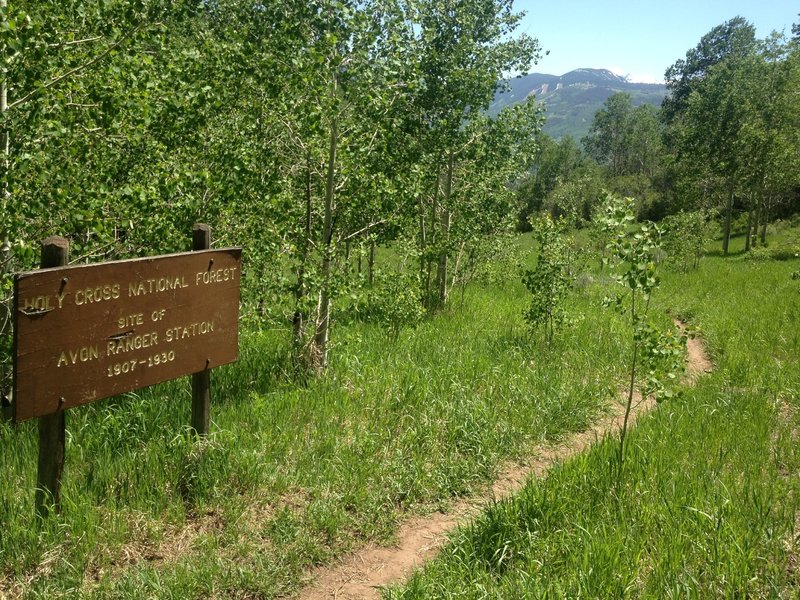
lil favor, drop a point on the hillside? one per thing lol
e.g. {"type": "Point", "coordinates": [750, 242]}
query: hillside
{"type": "Point", "coordinates": [572, 99]}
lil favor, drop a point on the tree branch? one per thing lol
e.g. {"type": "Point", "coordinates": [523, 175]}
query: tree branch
{"type": "Point", "coordinates": [74, 71]}
{"type": "Point", "coordinates": [363, 230]}
{"type": "Point", "coordinates": [75, 42]}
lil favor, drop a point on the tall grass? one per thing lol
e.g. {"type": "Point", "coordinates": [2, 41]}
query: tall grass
{"type": "Point", "coordinates": [292, 476]}
{"type": "Point", "coordinates": [710, 500]}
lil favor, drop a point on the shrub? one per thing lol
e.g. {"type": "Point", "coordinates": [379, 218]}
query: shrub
{"type": "Point", "coordinates": [686, 235]}
{"type": "Point", "coordinates": [656, 356]}
{"type": "Point", "coordinates": [550, 280]}
{"type": "Point", "coordinates": [395, 300]}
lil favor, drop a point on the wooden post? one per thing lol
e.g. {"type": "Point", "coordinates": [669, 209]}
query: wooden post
{"type": "Point", "coordinates": [52, 428]}
{"type": "Point", "coordinates": [201, 382]}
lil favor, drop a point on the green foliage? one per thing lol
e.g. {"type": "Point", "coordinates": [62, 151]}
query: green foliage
{"type": "Point", "coordinates": [562, 181]}
{"type": "Point", "coordinates": [632, 252]}
{"type": "Point", "coordinates": [553, 163]}
{"type": "Point", "coordinates": [656, 357]}
{"type": "Point", "coordinates": [686, 236]}
{"type": "Point", "coordinates": [708, 508]}
{"type": "Point", "coordinates": [293, 130]}
{"type": "Point", "coordinates": [732, 117]}
{"type": "Point", "coordinates": [550, 280]}
{"type": "Point", "coordinates": [625, 139]}
{"type": "Point", "coordinates": [575, 199]}
{"type": "Point", "coordinates": [732, 38]}
{"type": "Point", "coordinates": [293, 477]}
{"type": "Point", "coordinates": [662, 356]}
{"type": "Point", "coordinates": [395, 301]}
{"type": "Point", "coordinates": [297, 130]}
{"type": "Point", "coordinates": [781, 250]}
{"type": "Point", "coordinates": [472, 202]}
{"type": "Point", "coordinates": [503, 260]}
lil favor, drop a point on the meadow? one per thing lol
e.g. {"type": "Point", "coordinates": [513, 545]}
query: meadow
{"type": "Point", "coordinates": [708, 504]}
{"type": "Point", "coordinates": [309, 133]}
{"type": "Point", "coordinates": [294, 476]}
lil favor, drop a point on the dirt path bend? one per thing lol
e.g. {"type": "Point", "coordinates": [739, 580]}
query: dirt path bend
{"type": "Point", "coordinates": [362, 575]}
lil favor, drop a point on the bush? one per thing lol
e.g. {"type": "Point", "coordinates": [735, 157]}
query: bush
{"type": "Point", "coordinates": [686, 235]}
{"type": "Point", "coordinates": [550, 280]}
{"type": "Point", "coordinates": [395, 300]}
{"type": "Point", "coordinates": [786, 250]}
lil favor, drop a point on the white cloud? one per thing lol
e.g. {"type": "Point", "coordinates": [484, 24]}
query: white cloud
{"type": "Point", "coordinates": [645, 78]}
{"type": "Point", "coordinates": [637, 77]}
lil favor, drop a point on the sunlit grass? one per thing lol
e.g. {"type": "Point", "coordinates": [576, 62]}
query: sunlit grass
{"type": "Point", "coordinates": [709, 502]}
{"type": "Point", "coordinates": [292, 476]}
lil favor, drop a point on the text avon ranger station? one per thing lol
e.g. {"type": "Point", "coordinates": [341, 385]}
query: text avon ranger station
{"type": "Point", "coordinates": [92, 331]}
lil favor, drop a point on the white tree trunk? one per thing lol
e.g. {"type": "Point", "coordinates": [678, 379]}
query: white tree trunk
{"type": "Point", "coordinates": [320, 346]}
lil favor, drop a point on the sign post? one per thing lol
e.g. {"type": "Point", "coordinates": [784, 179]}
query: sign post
{"type": "Point", "coordinates": [201, 382]}
{"type": "Point", "coordinates": [87, 332]}
{"type": "Point", "coordinates": [52, 427]}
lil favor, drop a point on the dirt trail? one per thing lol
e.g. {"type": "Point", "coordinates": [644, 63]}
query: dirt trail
{"type": "Point", "coordinates": [362, 575]}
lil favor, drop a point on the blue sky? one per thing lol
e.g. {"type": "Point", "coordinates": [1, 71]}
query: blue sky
{"type": "Point", "coordinates": [639, 39]}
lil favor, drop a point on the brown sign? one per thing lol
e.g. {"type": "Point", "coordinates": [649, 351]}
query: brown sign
{"type": "Point", "coordinates": [88, 332]}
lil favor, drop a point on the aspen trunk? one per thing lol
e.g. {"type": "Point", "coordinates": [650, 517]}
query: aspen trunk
{"type": "Point", "coordinates": [749, 227]}
{"type": "Point", "coordinates": [726, 230]}
{"type": "Point", "coordinates": [756, 221]}
{"type": "Point", "coordinates": [456, 277]}
{"type": "Point", "coordinates": [445, 220]}
{"type": "Point", "coordinates": [423, 239]}
{"type": "Point", "coordinates": [432, 238]}
{"type": "Point", "coordinates": [443, 262]}
{"type": "Point", "coordinates": [300, 317]}
{"type": "Point", "coordinates": [322, 333]}
{"type": "Point", "coordinates": [5, 241]}
{"type": "Point", "coordinates": [371, 262]}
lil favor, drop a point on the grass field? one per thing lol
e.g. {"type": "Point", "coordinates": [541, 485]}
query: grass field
{"type": "Point", "coordinates": [708, 506]}
{"type": "Point", "coordinates": [293, 476]}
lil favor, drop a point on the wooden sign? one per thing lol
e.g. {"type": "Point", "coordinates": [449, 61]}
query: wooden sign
{"type": "Point", "coordinates": [88, 332]}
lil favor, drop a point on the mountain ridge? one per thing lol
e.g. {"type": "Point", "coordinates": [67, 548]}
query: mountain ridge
{"type": "Point", "coordinates": [572, 99]}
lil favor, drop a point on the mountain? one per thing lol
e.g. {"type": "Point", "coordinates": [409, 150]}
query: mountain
{"type": "Point", "coordinates": [572, 99]}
